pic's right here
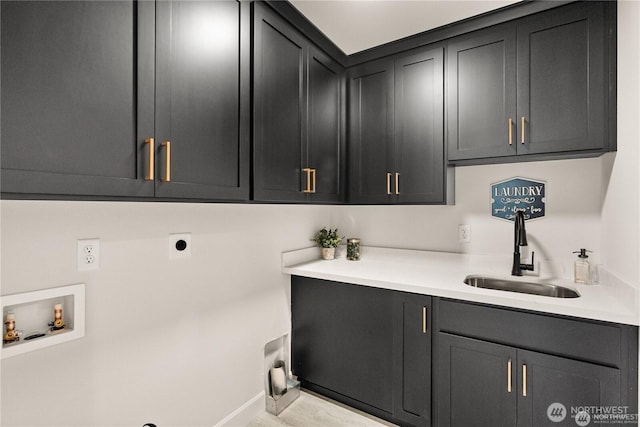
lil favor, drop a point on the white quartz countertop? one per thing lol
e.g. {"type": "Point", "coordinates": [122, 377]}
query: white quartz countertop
{"type": "Point", "coordinates": [442, 274]}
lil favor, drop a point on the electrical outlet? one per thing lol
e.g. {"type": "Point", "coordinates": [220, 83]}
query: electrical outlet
{"type": "Point", "coordinates": [179, 245]}
{"type": "Point", "coordinates": [464, 233]}
{"type": "Point", "coordinates": [88, 254]}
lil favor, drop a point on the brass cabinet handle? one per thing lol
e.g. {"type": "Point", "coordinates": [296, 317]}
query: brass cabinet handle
{"type": "Point", "coordinates": [509, 376]}
{"type": "Point", "coordinates": [510, 131]}
{"type": "Point", "coordinates": [167, 164]}
{"type": "Point", "coordinates": [152, 148]}
{"type": "Point", "coordinates": [311, 180]}
{"type": "Point", "coordinates": [424, 320]}
{"type": "Point", "coordinates": [522, 129]}
{"type": "Point", "coordinates": [388, 183]}
{"type": "Point", "coordinates": [524, 380]}
{"type": "Point", "coordinates": [397, 183]}
{"type": "Point", "coordinates": [308, 172]}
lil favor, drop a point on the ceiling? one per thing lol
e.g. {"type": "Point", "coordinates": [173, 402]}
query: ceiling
{"type": "Point", "coordinates": [356, 25]}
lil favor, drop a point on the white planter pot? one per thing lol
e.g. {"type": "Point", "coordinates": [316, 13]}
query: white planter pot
{"type": "Point", "coordinates": [328, 253]}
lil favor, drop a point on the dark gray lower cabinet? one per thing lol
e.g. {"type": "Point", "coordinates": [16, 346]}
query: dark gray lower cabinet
{"type": "Point", "coordinates": [474, 383]}
{"type": "Point", "coordinates": [371, 348]}
{"type": "Point", "coordinates": [575, 384]}
{"type": "Point", "coordinates": [342, 339]}
{"type": "Point", "coordinates": [367, 347]}
{"type": "Point", "coordinates": [492, 370]}
{"type": "Point", "coordinates": [412, 358]}
{"type": "Point", "coordinates": [487, 384]}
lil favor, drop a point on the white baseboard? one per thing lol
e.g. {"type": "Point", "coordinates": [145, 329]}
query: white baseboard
{"type": "Point", "coordinates": [245, 413]}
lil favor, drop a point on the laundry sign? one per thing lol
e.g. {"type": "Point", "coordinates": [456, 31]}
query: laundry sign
{"type": "Point", "coordinates": [518, 194]}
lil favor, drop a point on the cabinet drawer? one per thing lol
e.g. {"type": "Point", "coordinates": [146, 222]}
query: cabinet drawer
{"type": "Point", "coordinates": [579, 339]}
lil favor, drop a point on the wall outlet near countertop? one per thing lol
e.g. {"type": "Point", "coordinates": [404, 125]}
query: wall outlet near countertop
{"type": "Point", "coordinates": [464, 233]}
{"type": "Point", "coordinates": [88, 254]}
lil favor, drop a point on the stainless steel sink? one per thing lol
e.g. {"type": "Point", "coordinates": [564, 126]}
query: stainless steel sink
{"type": "Point", "coordinates": [544, 289]}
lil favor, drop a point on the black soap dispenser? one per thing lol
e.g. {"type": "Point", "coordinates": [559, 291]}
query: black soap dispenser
{"type": "Point", "coordinates": [581, 268]}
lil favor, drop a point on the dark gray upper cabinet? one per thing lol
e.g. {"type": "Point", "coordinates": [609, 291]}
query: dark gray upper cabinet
{"type": "Point", "coordinates": [481, 100]}
{"type": "Point", "coordinates": [128, 99]}
{"type": "Point", "coordinates": [325, 148]}
{"type": "Point", "coordinates": [202, 100]}
{"type": "Point", "coordinates": [371, 132]}
{"type": "Point", "coordinates": [396, 129]}
{"type": "Point", "coordinates": [419, 127]}
{"type": "Point", "coordinates": [92, 90]}
{"type": "Point", "coordinates": [536, 86]}
{"type": "Point", "coordinates": [563, 81]}
{"type": "Point", "coordinates": [77, 97]}
{"type": "Point", "coordinates": [298, 141]}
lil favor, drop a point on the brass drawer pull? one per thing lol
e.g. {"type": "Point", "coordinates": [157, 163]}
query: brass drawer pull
{"type": "Point", "coordinates": [151, 166]}
{"type": "Point", "coordinates": [311, 180]}
{"type": "Point", "coordinates": [509, 376]}
{"type": "Point", "coordinates": [424, 320]}
{"type": "Point", "coordinates": [308, 188]}
{"type": "Point", "coordinates": [510, 131]}
{"type": "Point", "coordinates": [167, 164]}
{"type": "Point", "coordinates": [524, 380]}
{"type": "Point", "coordinates": [523, 129]}
{"type": "Point", "coordinates": [388, 183]}
{"type": "Point", "coordinates": [397, 183]}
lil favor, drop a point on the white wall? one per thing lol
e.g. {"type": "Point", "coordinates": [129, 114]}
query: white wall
{"type": "Point", "coordinates": [176, 342]}
{"type": "Point", "coordinates": [620, 212]}
{"type": "Point", "coordinates": [574, 198]}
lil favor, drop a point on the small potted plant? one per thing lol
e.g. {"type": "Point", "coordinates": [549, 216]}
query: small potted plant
{"type": "Point", "coordinates": [327, 240]}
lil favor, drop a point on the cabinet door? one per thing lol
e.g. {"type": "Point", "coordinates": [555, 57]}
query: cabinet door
{"type": "Point", "coordinates": [419, 127]}
{"type": "Point", "coordinates": [325, 138]}
{"type": "Point", "coordinates": [279, 55]}
{"type": "Point", "coordinates": [562, 84]}
{"type": "Point", "coordinates": [77, 97]}
{"type": "Point", "coordinates": [342, 339]}
{"type": "Point", "coordinates": [476, 385]}
{"type": "Point", "coordinates": [202, 100]}
{"type": "Point", "coordinates": [412, 359]}
{"type": "Point", "coordinates": [482, 94]}
{"type": "Point", "coordinates": [371, 133]}
{"type": "Point", "coordinates": [572, 383]}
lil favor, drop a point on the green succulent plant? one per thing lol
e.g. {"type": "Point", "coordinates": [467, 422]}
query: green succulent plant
{"type": "Point", "coordinates": [327, 238]}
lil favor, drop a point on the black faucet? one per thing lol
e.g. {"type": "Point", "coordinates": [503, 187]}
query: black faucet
{"type": "Point", "coordinates": [520, 239]}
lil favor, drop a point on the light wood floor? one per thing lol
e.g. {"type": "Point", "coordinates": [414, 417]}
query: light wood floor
{"type": "Point", "coordinates": [312, 410]}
